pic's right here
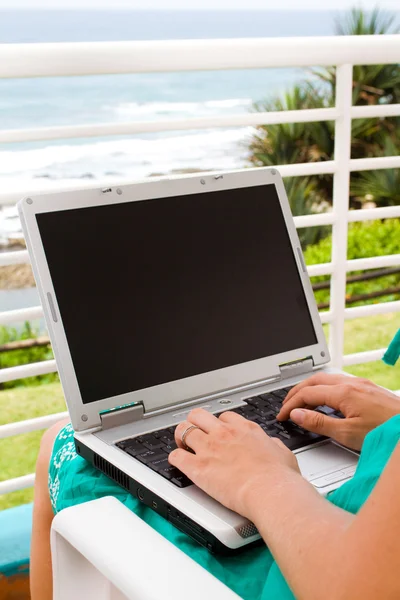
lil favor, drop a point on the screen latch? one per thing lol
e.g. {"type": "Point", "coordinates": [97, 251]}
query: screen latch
{"type": "Point", "coordinates": [122, 415]}
{"type": "Point", "coordinates": [297, 367]}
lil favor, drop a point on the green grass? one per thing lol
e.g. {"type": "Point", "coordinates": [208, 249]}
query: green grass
{"type": "Point", "coordinates": [18, 454]}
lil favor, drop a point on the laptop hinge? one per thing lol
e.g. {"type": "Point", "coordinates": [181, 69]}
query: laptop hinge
{"type": "Point", "coordinates": [297, 367]}
{"type": "Point", "coordinates": [122, 415]}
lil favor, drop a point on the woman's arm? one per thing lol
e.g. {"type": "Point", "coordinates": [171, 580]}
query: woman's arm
{"type": "Point", "coordinates": [323, 551]}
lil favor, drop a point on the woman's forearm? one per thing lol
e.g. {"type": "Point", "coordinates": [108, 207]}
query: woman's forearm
{"type": "Point", "coordinates": [303, 531]}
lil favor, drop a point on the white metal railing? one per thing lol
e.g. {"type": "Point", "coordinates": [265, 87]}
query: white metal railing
{"type": "Point", "coordinates": [55, 60]}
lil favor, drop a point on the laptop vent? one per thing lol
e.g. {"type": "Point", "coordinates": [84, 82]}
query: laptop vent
{"type": "Point", "coordinates": [112, 472]}
{"type": "Point", "coordinates": [248, 530]}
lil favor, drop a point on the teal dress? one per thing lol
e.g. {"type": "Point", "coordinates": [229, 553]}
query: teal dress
{"type": "Point", "coordinates": [253, 574]}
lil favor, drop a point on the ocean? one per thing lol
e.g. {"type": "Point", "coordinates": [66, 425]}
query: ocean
{"type": "Point", "coordinates": [98, 99]}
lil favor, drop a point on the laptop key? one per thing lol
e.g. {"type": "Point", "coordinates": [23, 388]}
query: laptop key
{"type": "Point", "coordinates": [280, 394]}
{"type": "Point", "coordinates": [169, 447]}
{"type": "Point", "coordinates": [135, 451]}
{"type": "Point", "coordinates": [125, 443]}
{"type": "Point", "coordinates": [167, 439]}
{"type": "Point", "coordinates": [170, 472]}
{"type": "Point", "coordinates": [270, 398]}
{"type": "Point", "coordinates": [252, 401]}
{"type": "Point", "coordinates": [181, 481]}
{"type": "Point", "coordinates": [159, 465]}
{"type": "Point", "coordinates": [153, 445]}
{"type": "Point", "coordinates": [150, 456]}
{"type": "Point", "coordinates": [326, 410]}
{"type": "Point", "coordinates": [294, 443]}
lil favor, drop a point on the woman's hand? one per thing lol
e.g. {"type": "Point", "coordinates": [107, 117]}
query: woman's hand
{"type": "Point", "coordinates": [232, 458]}
{"type": "Point", "coordinates": [364, 404]}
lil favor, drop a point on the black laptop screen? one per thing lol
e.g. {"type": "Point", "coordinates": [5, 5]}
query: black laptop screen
{"type": "Point", "coordinates": [158, 290]}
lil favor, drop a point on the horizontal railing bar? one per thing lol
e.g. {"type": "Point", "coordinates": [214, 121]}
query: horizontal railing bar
{"type": "Point", "coordinates": [31, 425]}
{"type": "Point", "coordinates": [372, 164]}
{"type": "Point", "coordinates": [30, 370]}
{"type": "Point", "coordinates": [134, 127]}
{"type": "Point", "coordinates": [359, 358]}
{"type": "Point", "coordinates": [371, 309]}
{"type": "Point", "coordinates": [357, 264]}
{"type": "Point", "coordinates": [326, 316]}
{"type": "Point", "coordinates": [239, 120]}
{"type": "Point", "coordinates": [370, 214]}
{"type": "Point", "coordinates": [100, 58]}
{"type": "Point", "coordinates": [314, 220]}
{"type": "Point", "coordinates": [37, 187]}
{"type": "Point", "coordinates": [321, 269]}
{"type": "Point", "coordinates": [374, 262]}
{"type": "Point", "coordinates": [293, 170]}
{"type": "Point", "coordinates": [21, 314]}
{"type": "Point", "coordinates": [19, 483]}
{"type": "Point", "coordinates": [312, 168]}
{"type": "Point", "coordinates": [16, 257]}
{"type": "Point", "coordinates": [371, 111]}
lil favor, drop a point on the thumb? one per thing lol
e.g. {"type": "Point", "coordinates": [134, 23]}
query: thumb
{"type": "Point", "coordinates": [315, 421]}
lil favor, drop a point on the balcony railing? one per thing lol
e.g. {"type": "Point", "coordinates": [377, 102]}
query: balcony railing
{"type": "Point", "coordinates": [55, 60]}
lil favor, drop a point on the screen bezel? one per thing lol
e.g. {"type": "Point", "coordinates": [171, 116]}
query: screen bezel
{"type": "Point", "coordinates": [86, 416]}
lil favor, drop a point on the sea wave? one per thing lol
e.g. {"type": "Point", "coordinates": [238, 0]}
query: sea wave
{"type": "Point", "coordinates": [132, 157]}
{"type": "Point", "coordinates": [182, 109]}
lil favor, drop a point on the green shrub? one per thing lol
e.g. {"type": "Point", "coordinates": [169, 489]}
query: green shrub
{"type": "Point", "coordinates": [289, 143]}
{"type": "Point", "coordinates": [13, 358]}
{"type": "Point", "coordinates": [367, 239]}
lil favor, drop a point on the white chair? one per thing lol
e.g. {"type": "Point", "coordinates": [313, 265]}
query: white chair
{"type": "Point", "coordinates": [102, 551]}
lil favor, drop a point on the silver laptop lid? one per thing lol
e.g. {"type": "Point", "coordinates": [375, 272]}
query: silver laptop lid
{"type": "Point", "coordinates": [165, 291]}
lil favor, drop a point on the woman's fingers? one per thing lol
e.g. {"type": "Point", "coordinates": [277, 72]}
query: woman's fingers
{"type": "Point", "coordinates": [203, 419]}
{"type": "Point", "coordinates": [317, 379]}
{"type": "Point", "coordinates": [314, 396]}
{"type": "Point", "coordinates": [318, 423]}
{"type": "Point", "coordinates": [184, 461]}
{"type": "Point", "coordinates": [194, 438]}
{"type": "Point", "coordinates": [231, 417]}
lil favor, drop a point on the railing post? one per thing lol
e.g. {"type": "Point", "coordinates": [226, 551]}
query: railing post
{"type": "Point", "coordinates": [341, 193]}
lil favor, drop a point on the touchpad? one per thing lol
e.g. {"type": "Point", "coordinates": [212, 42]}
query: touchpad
{"type": "Point", "coordinates": [327, 464]}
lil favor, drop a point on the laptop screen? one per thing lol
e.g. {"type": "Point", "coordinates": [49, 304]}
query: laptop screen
{"type": "Point", "coordinates": [158, 290]}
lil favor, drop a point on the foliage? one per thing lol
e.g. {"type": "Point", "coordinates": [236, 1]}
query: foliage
{"type": "Point", "coordinates": [273, 145]}
{"type": "Point", "coordinates": [14, 358]}
{"type": "Point", "coordinates": [370, 238]}
{"type": "Point", "coordinates": [297, 142]}
{"type": "Point", "coordinates": [381, 187]}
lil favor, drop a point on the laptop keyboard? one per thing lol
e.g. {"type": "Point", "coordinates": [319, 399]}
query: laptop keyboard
{"type": "Point", "coordinates": [152, 449]}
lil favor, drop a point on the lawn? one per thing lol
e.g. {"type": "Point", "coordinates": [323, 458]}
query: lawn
{"type": "Point", "coordinates": [18, 454]}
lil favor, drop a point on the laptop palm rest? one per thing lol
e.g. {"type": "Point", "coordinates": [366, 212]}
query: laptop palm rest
{"type": "Point", "coordinates": [326, 464]}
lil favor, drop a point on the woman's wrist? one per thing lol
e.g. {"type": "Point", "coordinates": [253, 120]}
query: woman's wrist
{"type": "Point", "coordinates": [267, 491]}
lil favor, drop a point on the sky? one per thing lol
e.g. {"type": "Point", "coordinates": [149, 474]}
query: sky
{"type": "Point", "coordinates": [199, 4]}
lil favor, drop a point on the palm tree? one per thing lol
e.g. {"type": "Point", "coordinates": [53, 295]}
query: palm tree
{"type": "Point", "coordinates": [305, 142]}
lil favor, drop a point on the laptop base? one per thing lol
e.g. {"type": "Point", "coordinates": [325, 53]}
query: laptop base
{"type": "Point", "coordinates": [159, 505]}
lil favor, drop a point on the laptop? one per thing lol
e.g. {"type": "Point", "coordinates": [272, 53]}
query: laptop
{"type": "Point", "coordinates": [170, 294]}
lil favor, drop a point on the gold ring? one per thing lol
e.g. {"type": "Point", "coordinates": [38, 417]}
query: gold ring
{"type": "Point", "coordinates": [185, 434]}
